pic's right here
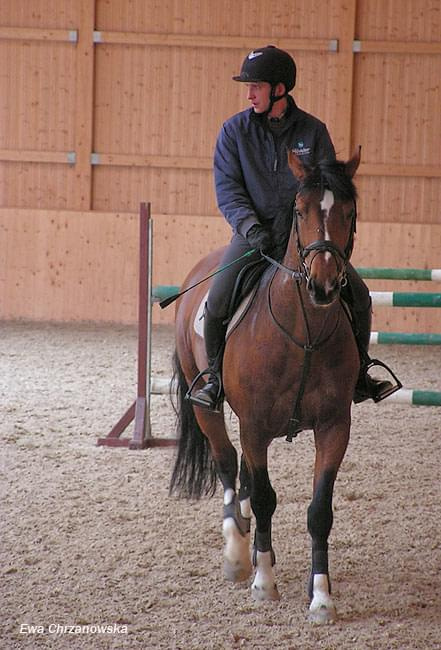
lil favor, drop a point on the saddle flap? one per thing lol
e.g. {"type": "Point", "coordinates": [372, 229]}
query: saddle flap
{"type": "Point", "coordinates": [235, 319]}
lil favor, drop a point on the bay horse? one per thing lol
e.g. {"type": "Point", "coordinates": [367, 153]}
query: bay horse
{"type": "Point", "coordinates": [295, 352]}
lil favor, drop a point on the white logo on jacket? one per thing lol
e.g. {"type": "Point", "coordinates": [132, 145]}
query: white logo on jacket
{"type": "Point", "coordinates": [301, 150]}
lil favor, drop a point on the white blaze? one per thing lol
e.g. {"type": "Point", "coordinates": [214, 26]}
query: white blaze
{"type": "Point", "coordinates": [326, 204]}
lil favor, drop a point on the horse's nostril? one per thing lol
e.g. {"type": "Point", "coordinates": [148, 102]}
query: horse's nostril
{"type": "Point", "coordinates": [323, 293]}
{"type": "Point", "coordinates": [332, 286]}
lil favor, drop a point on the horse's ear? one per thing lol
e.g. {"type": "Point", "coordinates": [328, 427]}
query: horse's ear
{"type": "Point", "coordinates": [296, 166]}
{"type": "Point", "coordinates": [352, 164]}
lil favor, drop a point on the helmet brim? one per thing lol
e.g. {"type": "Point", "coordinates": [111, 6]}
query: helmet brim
{"type": "Point", "coordinates": [246, 79]}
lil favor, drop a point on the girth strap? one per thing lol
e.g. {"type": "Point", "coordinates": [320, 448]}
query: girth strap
{"type": "Point", "coordinates": [294, 420]}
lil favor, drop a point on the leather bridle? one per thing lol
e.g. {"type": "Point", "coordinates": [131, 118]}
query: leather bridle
{"type": "Point", "coordinates": [341, 257]}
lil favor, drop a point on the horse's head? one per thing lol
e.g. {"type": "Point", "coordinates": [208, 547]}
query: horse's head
{"type": "Point", "coordinates": [324, 222]}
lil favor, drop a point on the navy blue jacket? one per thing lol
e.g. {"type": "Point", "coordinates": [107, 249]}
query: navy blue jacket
{"type": "Point", "coordinates": [253, 181]}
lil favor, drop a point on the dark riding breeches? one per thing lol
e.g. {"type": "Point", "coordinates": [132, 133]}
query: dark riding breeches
{"type": "Point", "coordinates": [356, 292]}
{"type": "Point", "coordinates": [223, 283]}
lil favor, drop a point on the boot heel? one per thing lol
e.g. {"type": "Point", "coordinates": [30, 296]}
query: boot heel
{"type": "Point", "coordinates": [193, 399]}
{"type": "Point", "coordinates": [211, 404]}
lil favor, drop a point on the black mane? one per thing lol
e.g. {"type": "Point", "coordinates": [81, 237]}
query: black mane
{"type": "Point", "coordinates": [330, 175]}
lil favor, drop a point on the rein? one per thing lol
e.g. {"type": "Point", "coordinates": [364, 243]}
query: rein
{"type": "Point", "coordinates": [294, 273]}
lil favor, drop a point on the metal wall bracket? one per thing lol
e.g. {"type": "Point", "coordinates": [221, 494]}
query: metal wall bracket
{"type": "Point", "coordinates": [97, 37]}
{"type": "Point", "coordinates": [94, 159]}
{"type": "Point", "coordinates": [71, 157]}
{"type": "Point", "coordinates": [333, 45]}
{"type": "Point", "coordinates": [73, 35]}
{"type": "Point", "coordinates": [356, 46]}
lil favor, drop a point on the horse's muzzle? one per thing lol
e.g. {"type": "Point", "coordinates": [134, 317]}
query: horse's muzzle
{"type": "Point", "coordinates": [323, 294]}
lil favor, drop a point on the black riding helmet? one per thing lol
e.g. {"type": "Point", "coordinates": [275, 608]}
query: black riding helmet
{"type": "Point", "coordinates": [271, 65]}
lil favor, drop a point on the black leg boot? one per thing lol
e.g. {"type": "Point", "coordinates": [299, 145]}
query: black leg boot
{"type": "Point", "coordinates": [211, 395]}
{"type": "Point", "coordinates": [367, 387]}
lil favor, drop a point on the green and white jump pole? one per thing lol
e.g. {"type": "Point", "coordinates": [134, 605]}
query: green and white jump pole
{"type": "Point", "coordinates": [426, 275]}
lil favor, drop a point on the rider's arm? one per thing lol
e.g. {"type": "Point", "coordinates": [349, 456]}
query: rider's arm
{"type": "Point", "coordinates": [232, 196]}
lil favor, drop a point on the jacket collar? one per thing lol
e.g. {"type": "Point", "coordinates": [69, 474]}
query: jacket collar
{"type": "Point", "coordinates": [291, 115]}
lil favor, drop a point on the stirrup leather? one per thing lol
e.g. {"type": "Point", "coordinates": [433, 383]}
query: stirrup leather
{"type": "Point", "coordinates": [393, 389]}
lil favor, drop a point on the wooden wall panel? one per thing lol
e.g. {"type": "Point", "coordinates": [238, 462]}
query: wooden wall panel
{"type": "Point", "coordinates": [399, 199]}
{"type": "Point", "coordinates": [399, 20]}
{"type": "Point", "coordinates": [40, 185]}
{"type": "Point", "coordinates": [43, 14]}
{"type": "Point", "coordinates": [37, 96]}
{"type": "Point", "coordinates": [46, 103]}
{"type": "Point", "coordinates": [396, 108]}
{"type": "Point", "coordinates": [69, 266]}
{"type": "Point", "coordinates": [248, 18]}
{"type": "Point", "coordinates": [177, 115]}
{"type": "Point", "coordinates": [175, 192]}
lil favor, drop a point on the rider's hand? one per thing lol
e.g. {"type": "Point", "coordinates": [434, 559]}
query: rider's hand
{"type": "Point", "coordinates": [259, 238]}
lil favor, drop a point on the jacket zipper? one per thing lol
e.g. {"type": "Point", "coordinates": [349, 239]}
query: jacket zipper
{"type": "Point", "coordinates": [275, 153]}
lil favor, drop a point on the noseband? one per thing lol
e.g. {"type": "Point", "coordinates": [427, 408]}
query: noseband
{"type": "Point", "coordinates": [341, 258]}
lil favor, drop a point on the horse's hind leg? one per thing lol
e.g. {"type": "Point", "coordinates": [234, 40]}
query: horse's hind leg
{"type": "Point", "coordinates": [236, 515]}
{"type": "Point", "coordinates": [330, 449]}
{"type": "Point", "coordinates": [236, 528]}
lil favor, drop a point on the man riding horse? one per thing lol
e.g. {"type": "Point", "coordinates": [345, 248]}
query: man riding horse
{"type": "Point", "coordinates": [255, 192]}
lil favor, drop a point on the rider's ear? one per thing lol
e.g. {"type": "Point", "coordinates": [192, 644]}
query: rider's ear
{"type": "Point", "coordinates": [352, 164]}
{"type": "Point", "coordinates": [296, 166]}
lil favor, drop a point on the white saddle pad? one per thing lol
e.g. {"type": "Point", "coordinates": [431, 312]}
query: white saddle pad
{"type": "Point", "coordinates": [199, 318]}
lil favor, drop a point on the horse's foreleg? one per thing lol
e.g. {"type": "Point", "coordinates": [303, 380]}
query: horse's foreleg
{"type": "Point", "coordinates": [263, 503]}
{"type": "Point", "coordinates": [245, 489]}
{"type": "Point", "coordinates": [329, 454]}
{"type": "Point", "coordinates": [320, 518]}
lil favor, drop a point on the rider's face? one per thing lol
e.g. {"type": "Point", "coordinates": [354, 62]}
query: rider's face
{"type": "Point", "coordinates": [258, 94]}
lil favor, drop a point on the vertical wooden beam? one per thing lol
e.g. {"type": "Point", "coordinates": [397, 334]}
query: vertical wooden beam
{"type": "Point", "coordinates": [345, 78]}
{"type": "Point", "coordinates": [84, 104]}
{"type": "Point", "coordinates": [140, 409]}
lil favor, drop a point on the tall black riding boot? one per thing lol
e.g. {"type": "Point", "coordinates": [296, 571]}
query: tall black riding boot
{"type": "Point", "coordinates": [210, 396]}
{"type": "Point", "coordinates": [367, 387]}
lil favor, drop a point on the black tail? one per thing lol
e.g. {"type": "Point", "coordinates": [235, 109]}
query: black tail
{"type": "Point", "coordinates": [194, 473]}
